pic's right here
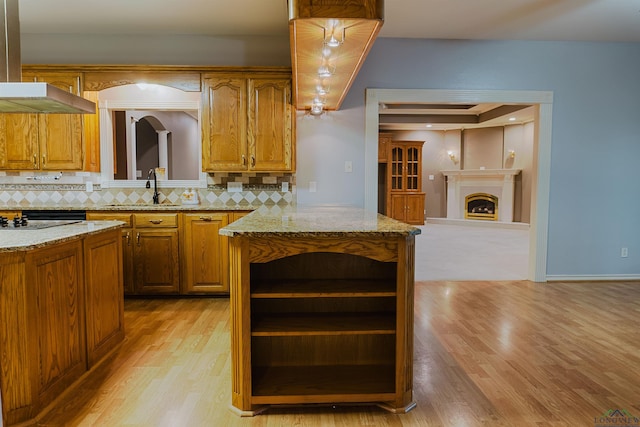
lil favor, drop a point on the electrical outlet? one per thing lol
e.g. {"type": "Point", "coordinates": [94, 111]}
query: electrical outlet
{"type": "Point", "coordinates": [348, 166]}
{"type": "Point", "coordinates": [89, 186]}
{"type": "Point", "coordinates": [624, 252]}
{"type": "Point", "coordinates": [312, 187]}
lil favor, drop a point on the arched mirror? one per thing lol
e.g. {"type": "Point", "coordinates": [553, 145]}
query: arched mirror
{"type": "Point", "coordinates": [144, 127]}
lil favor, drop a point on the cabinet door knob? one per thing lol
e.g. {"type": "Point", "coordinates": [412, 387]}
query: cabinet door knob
{"type": "Point", "coordinates": [44, 160]}
{"type": "Point", "coordinates": [138, 239]}
{"type": "Point", "coordinates": [128, 237]}
{"type": "Point", "coordinates": [253, 161]}
{"type": "Point", "coordinates": [35, 160]}
{"type": "Point", "coordinates": [206, 218]}
{"type": "Point", "coordinates": [244, 160]}
{"type": "Point", "coordinates": [155, 221]}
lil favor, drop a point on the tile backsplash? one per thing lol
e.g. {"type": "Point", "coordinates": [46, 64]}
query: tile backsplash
{"type": "Point", "coordinates": [23, 189]}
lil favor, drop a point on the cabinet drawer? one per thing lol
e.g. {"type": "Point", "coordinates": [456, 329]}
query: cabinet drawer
{"type": "Point", "coordinates": [110, 216]}
{"type": "Point", "coordinates": [156, 220]}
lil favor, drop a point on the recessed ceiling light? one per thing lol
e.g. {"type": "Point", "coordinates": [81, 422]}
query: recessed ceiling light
{"type": "Point", "coordinates": [429, 126]}
{"type": "Point", "coordinates": [512, 119]}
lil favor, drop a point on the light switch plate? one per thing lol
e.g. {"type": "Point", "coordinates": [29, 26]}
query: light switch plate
{"type": "Point", "coordinates": [312, 187]}
{"type": "Point", "coordinates": [285, 186]}
{"type": "Point", "coordinates": [89, 186]}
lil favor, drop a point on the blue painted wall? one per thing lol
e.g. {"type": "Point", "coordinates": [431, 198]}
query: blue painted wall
{"type": "Point", "coordinates": [595, 176]}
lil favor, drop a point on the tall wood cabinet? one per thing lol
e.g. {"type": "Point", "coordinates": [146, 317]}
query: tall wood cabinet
{"type": "Point", "coordinates": [247, 123]}
{"type": "Point", "coordinates": [404, 197]}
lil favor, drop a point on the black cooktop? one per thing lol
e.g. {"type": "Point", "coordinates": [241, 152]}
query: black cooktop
{"type": "Point", "coordinates": [39, 224]}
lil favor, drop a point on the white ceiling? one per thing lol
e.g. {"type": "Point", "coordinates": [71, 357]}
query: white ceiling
{"type": "Point", "coordinates": [562, 20]}
{"type": "Point", "coordinates": [583, 20]}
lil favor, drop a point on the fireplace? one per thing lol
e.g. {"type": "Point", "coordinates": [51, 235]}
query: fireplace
{"type": "Point", "coordinates": [496, 186]}
{"type": "Point", "coordinates": [481, 206]}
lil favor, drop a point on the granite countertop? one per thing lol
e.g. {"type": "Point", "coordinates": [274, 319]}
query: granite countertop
{"type": "Point", "coordinates": [314, 221]}
{"type": "Point", "coordinates": [25, 240]}
{"type": "Point", "coordinates": [133, 207]}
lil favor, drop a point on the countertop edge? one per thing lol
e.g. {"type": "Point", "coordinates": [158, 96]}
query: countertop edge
{"type": "Point", "coordinates": [74, 233]}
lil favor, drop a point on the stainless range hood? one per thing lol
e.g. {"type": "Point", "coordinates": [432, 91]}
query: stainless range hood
{"type": "Point", "coordinates": [37, 97]}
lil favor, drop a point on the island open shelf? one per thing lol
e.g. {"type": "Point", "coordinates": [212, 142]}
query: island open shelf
{"type": "Point", "coordinates": [321, 317]}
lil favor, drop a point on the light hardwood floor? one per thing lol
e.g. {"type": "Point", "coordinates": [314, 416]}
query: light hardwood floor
{"type": "Point", "coordinates": [486, 353]}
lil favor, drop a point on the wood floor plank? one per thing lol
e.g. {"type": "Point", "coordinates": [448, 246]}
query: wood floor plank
{"type": "Point", "coordinates": [486, 354]}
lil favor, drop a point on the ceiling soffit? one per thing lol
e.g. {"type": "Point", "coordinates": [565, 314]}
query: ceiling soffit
{"type": "Point", "coordinates": [354, 24]}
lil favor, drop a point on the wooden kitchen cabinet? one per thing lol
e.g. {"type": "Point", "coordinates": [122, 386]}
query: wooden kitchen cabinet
{"type": "Point", "coordinates": [56, 289]}
{"type": "Point", "coordinates": [150, 251]}
{"type": "Point", "coordinates": [408, 208]}
{"type": "Point", "coordinates": [205, 253]}
{"type": "Point", "coordinates": [270, 125]}
{"type": "Point", "coordinates": [59, 135]}
{"type": "Point", "coordinates": [19, 148]}
{"type": "Point", "coordinates": [173, 253]}
{"type": "Point", "coordinates": [61, 312]}
{"type": "Point", "coordinates": [224, 123]}
{"type": "Point", "coordinates": [155, 253]}
{"type": "Point", "coordinates": [247, 124]}
{"type": "Point", "coordinates": [384, 142]}
{"type": "Point", "coordinates": [404, 196]}
{"type": "Point", "coordinates": [103, 296]}
{"type": "Point", "coordinates": [127, 244]}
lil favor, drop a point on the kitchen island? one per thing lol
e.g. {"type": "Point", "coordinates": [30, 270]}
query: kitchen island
{"type": "Point", "coordinates": [321, 309]}
{"type": "Point", "coordinates": [61, 310]}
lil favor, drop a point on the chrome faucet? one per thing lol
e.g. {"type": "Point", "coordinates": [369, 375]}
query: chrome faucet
{"type": "Point", "coordinates": [156, 195]}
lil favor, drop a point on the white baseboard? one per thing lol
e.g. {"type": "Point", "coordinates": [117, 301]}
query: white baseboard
{"type": "Point", "coordinates": [596, 278]}
{"type": "Point", "coordinates": [479, 223]}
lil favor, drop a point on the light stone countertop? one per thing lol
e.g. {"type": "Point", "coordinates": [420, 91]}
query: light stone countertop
{"type": "Point", "coordinates": [116, 207]}
{"type": "Point", "coordinates": [310, 221]}
{"type": "Point", "coordinates": [25, 240]}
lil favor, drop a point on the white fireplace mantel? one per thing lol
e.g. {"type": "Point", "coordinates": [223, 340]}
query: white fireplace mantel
{"type": "Point", "coordinates": [497, 182]}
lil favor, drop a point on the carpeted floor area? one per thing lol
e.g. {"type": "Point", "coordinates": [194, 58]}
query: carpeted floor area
{"type": "Point", "coordinates": [466, 252]}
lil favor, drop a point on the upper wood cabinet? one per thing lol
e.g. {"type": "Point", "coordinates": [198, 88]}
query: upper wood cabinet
{"type": "Point", "coordinates": [270, 125]}
{"type": "Point", "coordinates": [59, 135]}
{"type": "Point", "coordinates": [224, 123]}
{"type": "Point", "coordinates": [247, 124]}
{"type": "Point", "coordinates": [384, 141]}
{"type": "Point", "coordinates": [19, 142]}
{"type": "Point", "coordinates": [43, 141]}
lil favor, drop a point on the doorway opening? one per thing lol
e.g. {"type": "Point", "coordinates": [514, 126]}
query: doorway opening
{"type": "Point", "coordinates": [542, 101]}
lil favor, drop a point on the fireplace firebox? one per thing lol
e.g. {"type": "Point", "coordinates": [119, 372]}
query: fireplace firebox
{"type": "Point", "coordinates": [481, 206]}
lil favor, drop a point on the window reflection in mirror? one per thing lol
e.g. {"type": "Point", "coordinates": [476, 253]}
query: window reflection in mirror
{"type": "Point", "coordinates": [146, 126]}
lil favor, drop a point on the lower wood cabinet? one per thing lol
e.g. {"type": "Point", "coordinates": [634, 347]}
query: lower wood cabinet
{"type": "Point", "coordinates": [57, 292]}
{"type": "Point", "coordinates": [205, 268]}
{"type": "Point", "coordinates": [408, 208]}
{"type": "Point", "coordinates": [103, 295]}
{"type": "Point", "coordinates": [61, 312]}
{"type": "Point", "coordinates": [156, 256]}
{"type": "Point", "coordinates": [174, 253]}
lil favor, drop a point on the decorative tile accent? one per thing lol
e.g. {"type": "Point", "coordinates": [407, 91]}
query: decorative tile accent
{"type": "Point", "coordinates": [19, 189]}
